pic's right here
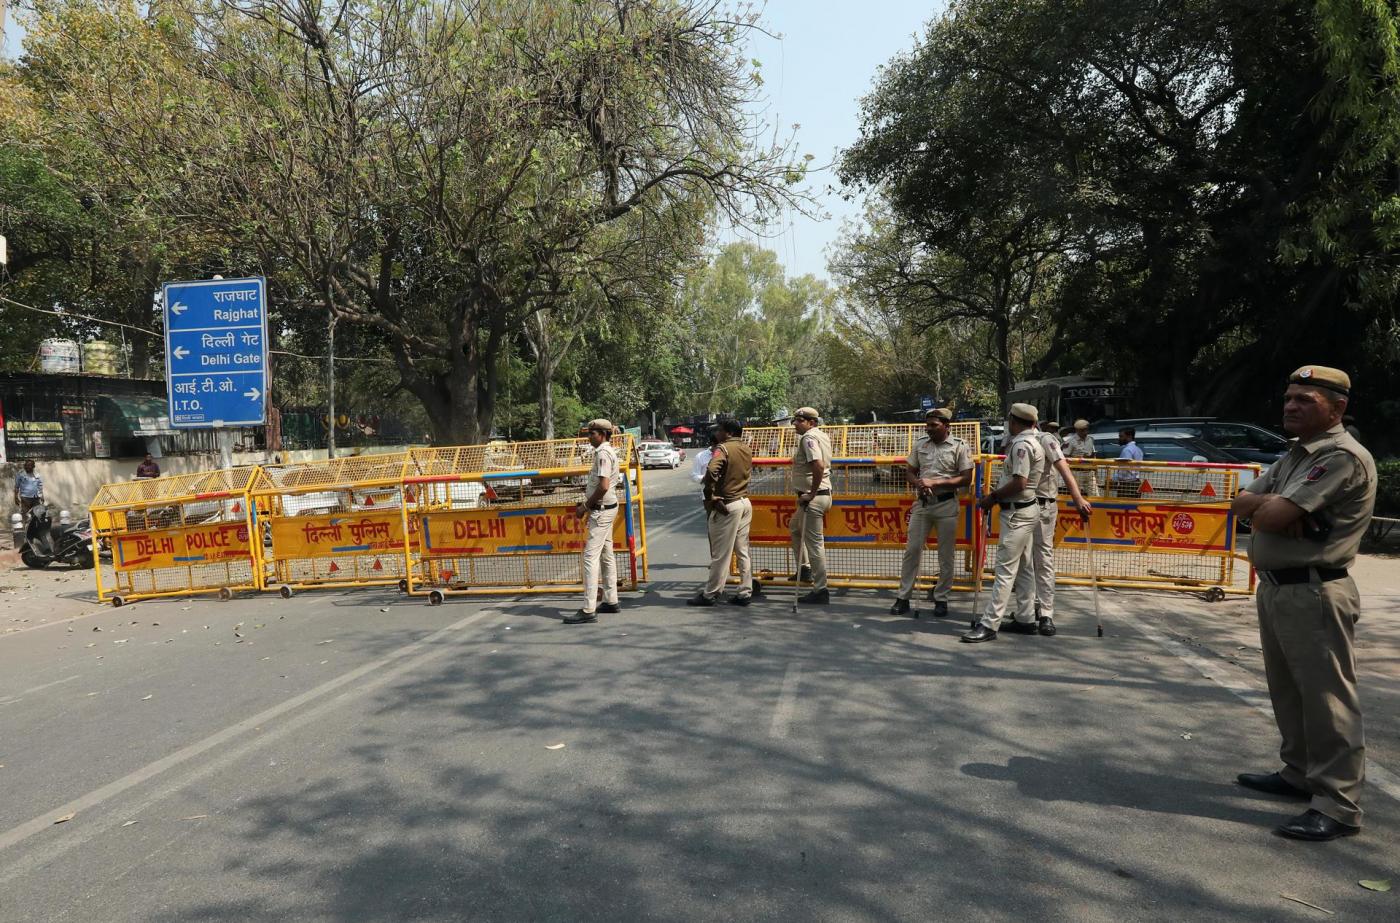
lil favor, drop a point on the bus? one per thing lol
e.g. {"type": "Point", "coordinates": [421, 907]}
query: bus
{"type": "Point", "coordinates": [1072, 397]}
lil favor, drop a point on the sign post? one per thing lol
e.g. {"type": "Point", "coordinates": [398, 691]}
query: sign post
{"type": "Point", "coordinates": [216, 355]}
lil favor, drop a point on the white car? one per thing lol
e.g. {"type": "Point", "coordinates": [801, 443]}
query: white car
{"type": "Point", "coordinates": [659, 455]}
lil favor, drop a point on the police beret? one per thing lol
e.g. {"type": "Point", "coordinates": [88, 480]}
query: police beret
{"type": "Point", "coordinates": [601, 425]}
{"type": "Point", "coordinates": [808, 413]}
{"type": "Point", "coordinates": [1322, 377]}
{"type": "Point", "coordinates": [942, 413]}
{"type": "Point", "coordinates": [1026, 413]}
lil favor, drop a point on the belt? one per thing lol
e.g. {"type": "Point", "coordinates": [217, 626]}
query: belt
{"type": "Point", "coordinates": [1046, 501]}
{"type": "Point", "coordinates": [730, 499]}
{"type": "Point", "coordinates": [939, 498]}
{"type": "Point", "coordinates": [1015, 505]}
{"type": "Point", "coordinates": [606, 506]}
{"type": "Point", "coordinates": [1286, 576]}
{"type": "Point", "coordinates": [824, 492]}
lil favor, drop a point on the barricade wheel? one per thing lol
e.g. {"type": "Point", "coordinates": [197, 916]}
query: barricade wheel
{"type": "Point", "coordinates": [403, 586]}
{"type": "Point", "coordinates": [435, 598]}
{"type": "Point", "coordinates": [1215, 594]}
{"type": "Point", "coordinates": [225, 594]}
{"type": "Point", "coordinates": [118, 602]}
{"type": "Point", "coordinates": [285, 591]}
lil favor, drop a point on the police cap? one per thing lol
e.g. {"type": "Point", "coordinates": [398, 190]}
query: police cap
{"type": "Point", "coordinates": [1026, 413]}
{"type": "Point", "coordinates": [1321, 376]}
{"type": "Point", "coordinates": [940, 413]}
{"type": "Point", "coordinates": [807, 413]}
{"type": "Point", "coordinates": [1081, 424]}
{"type": "Point", "coordinates": [603, 426]}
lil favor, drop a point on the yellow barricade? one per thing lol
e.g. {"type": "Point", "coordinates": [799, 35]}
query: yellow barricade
{"type": "Point", "coordinates": [857, 443]}
{"type": "Point", "coordinates": [335, 523]}
{"type": "Point", "coordinates": [867, 527]}
{"type": "Point", "coordinates": [499, 518]}
{"type": "Point", "coordinates": [1155, 525]}
{"type": "Point", "coordinates": [178, 535]}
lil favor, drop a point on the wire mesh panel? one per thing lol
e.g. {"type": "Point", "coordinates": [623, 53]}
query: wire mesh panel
{"type": "Point", "coordinates": [1156, 525]}
{"type": "Point", "coordinates": [332, 523]}
{"type": "Point", "coordinates": [872, 441]}
{"type": "Point", "coordinates": [866, 528]}
{"type": "Point", "coordinates": [500, 518]}
{"type": "Point", "coordinates": [177, 535]}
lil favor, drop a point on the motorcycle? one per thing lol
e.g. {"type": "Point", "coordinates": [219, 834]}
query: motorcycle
{"type": "Point", "coordinates": [45, 543]}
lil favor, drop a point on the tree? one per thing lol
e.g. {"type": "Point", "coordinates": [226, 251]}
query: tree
{"type": "Point", "coordinates": [439, 171]}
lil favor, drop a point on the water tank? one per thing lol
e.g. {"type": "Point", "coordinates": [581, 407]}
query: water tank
{"type": "Point", "coordinates": [59, 357]}
{"type": "Point", "coordinates": [102, 358]}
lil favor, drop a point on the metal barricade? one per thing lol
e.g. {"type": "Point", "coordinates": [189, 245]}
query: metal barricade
{"type": "Point", "coordinates": [867, 527]}
{"type": "Point", "coordinates": [334, 523]}
{"type": "Point", "coordinates": [177, 535]}
{"type": "Point", "coordinates": [499, 518]}
{"type": "Point", "coordinates": [866, 442]}
{"type": "Point", "coordinates": [1155, 525]}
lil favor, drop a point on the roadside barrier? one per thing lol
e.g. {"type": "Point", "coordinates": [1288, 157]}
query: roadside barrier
{"type": "Point", "coordinates": [867, 527]}
{"type": "Point", "coordinates": [178, 535]}
{"type": "Point", "coordinates": [499, 518]}
{"type": "Point", "coordinates": [335, 523]}
{"type": "Point", "coordinates": [1155, 526]}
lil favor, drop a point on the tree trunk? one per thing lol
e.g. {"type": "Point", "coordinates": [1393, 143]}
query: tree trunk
{"type": "Point", "coordinates": [544, 389]}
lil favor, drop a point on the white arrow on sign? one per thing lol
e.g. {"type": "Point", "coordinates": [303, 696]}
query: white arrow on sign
{"type": "Point", "coordinates": [252, 394]}
{"type": "Point", "coordinates": [179, 308]}
{"type": "Point", "coordinates": [180, 352]}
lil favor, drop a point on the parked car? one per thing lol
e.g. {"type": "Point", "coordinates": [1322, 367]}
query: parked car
{"type": "Point", "coordinates": [1161, 446]}
{"type": "Point", "coordinates": [659, 455]}
{"type": "Point", "coordinates": [1248, 442]}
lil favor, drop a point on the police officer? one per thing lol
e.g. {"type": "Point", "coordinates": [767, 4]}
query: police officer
{"type": "Point", "coordinates": [1015, 494]}
{"type": "Point", "coordinates": [1036, 577]}
{"type": "Point", "coordinates": [729, 515]}
{"type": "Point", "coordinates": [1079, 444]}
{"type": "Point", "coordinates": [599, 505]}
{"type": "Point", "coordinates": [811, 481]}
{"type": "Point", "coordinates": [1308, 513]}
{"type": "Point", "coordinates": [939, 465]}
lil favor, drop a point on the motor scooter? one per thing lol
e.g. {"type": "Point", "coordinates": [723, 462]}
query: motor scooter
{"type": "Point", "coordinates": [45, 543]}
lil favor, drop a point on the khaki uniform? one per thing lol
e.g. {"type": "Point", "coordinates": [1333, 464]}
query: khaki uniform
{"type": "Point", "coordinates": [945, 459]}
{"type": "Point", "coordinates": [807, 530]}
{"type": "Point", "coordinates": [599, 562]}
{"type": "Point", "coordinates": [1019, 514]}
{"type": "Point", "coordinates": [1074, 447]}
{"type": "Point", "coordinates": [727, 481]}
{"type": "Point", "coordinates": [1035, 581]}
{"type": "Point", "coordinates": [1307, 623]}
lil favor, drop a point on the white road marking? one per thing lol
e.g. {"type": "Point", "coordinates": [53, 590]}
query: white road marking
{"type": "Point", "coordinates": [787, 702]}
{"type": "Point", "coordinates": [408, 657]}
{"type": "Point", "coordinates": [1377, 775]}
{"type": "Point", "coordinates": [21, 695]}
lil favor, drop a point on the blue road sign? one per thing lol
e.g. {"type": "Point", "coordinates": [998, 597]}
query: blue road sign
{"type": "Point", "coordinates": [216, 352]}
{"type": "Point", "coordinates": [925, 403]}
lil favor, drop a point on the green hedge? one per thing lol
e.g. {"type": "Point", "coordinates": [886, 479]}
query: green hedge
{"type": "Point", "coordinates": [1388, 488]}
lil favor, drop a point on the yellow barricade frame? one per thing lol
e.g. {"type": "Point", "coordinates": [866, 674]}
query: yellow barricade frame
{"type": "Point", "coordinates": [197, 530]}
{"type": "Point", "coordinates": [491, 492]}
{"type": "Point", "coordinates": [1155, 526]}
{"type": "Point", "coordinates": [870, 442]}
{"type": "Point", "coordinates": [332, 523]}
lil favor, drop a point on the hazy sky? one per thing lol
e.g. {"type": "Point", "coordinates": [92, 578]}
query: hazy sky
{"type": "Point", "coordinates": [814, 76]}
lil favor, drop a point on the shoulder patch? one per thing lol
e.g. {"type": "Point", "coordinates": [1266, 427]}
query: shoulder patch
{"type": "Point", "coordinates": [1316, 472]}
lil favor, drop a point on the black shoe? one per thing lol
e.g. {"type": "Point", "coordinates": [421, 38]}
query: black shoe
{"type": "Point", "coordinates": [979, 634]}
{"type": "Point", "coordinates": [739, 601]}
{"type": "Point", "coordinates": [1272, 783]}
{"type": "Point", "coordinates": [1314, 825]}
{"type": "Point", "coordinates": [580, 618]}
{"type": "Point", "coordinates": [803, 575]}
{"type": "Point", "coordinates": [815, 598]}
{"type": "Point", "coordinates": [610, 608]}
{"type": "Point", "coordinates": [900, 607]}
{"type": "Point", "coordinates": [757, 587]}
{"type": "Point", "coordinates": [1018, 628]}
{"type": "Point", "coordinates": [1047, 627]}
{"type": "Point", "coordinates": [699, 599]}
{"type": "Point", "coordinates": [940, 609]}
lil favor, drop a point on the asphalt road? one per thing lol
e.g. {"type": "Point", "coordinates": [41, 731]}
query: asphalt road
{"type": "Point", "coordinates": [360, 756]}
